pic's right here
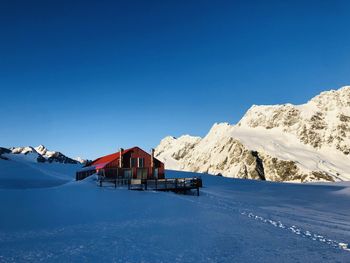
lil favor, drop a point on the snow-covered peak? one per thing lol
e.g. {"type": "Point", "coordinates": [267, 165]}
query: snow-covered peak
{"type": "Point", "coordinates": [41, 154]}
{"type": "Point", "coordinates": [270, 116]}
{"type": "Point", "coordinates": [22, 150]}
{"type": "Point", "coordinates": [173, 149]}
{"type": "Point", "coordinates": [322, 122]}
{"type": "Point", "coordinates": [81, 160]}
{"type": "Point", "coordinates": [219, 128]}
{"type": "Point", "coordinates": [41, 149]}
{"type": "Point", "coordinates": [167, 140]}
{"type": "Point", "coordinates": [333, 100]}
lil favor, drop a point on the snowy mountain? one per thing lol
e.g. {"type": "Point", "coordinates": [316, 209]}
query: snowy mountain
{"type": "Point", "coordinates": [81, 160]}
{"type": "Point", "coordinates": [299, 143]}
{"type": "Point", "coordinates": [39, 154]}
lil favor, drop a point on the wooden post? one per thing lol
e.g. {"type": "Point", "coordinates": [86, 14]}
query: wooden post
{"type": "Point", "coordinates": [121, 158]}
{"type": "Point", "coordinates": [152, 162]}
{"type": "Point", "coordinates": [115, 183]}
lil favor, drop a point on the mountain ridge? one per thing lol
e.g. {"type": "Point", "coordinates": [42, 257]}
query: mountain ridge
{"type": "Point", "coordinates": [286, 142]}
{"type": "Point", "coordinates": [39, 154]}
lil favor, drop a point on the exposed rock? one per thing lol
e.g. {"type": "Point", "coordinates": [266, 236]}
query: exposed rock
{"type": "Point", "coordinates": [281, 170]}
{"type": "Point", "coordinates": [40, 159]}
{"type": "Point", "coordinates": [61, 158]}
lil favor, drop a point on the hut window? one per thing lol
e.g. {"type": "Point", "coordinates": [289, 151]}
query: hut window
{"type": "Point", "coordinates": [141, 162]}
{"type": "Point", "coordinates": [133, 162]}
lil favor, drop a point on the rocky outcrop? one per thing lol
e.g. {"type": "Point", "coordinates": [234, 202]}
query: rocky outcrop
{"type": "Point", "coordinates": [229, 155]}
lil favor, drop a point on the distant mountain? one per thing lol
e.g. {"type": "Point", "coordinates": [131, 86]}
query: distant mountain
{"type": "Point", "coordinates": [39, 154]}
{"type": "Point", "coordinates": [81, 160]}
{"type": "Point", "coordinates": [297, 143]}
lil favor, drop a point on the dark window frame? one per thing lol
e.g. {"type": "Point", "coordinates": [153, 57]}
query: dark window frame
{"type": "Point", "coordinates": [133, 162]}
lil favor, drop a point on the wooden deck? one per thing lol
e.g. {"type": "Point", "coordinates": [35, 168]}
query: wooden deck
{"type": "Point", "coordinates": [177, 185]}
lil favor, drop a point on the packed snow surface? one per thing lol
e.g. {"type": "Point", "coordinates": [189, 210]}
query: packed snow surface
{"type": "Point", "coordinates": [233, 220]}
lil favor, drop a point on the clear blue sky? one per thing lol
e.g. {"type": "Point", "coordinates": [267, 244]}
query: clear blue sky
{"type": "Point", "coordinates": [87, 77]}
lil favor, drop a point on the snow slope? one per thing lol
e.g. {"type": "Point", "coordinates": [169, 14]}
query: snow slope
{"type": "Point", "coordinates": [296, 143]}
{"type": "Point", "coordinates": [21, 171]}
{"type": "Point", "coordinates": [233, 220]}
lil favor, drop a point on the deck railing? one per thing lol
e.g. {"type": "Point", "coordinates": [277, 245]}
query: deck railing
{"type": "Point", "coordinates": [168, 184]}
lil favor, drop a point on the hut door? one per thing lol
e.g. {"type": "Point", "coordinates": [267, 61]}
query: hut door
{"type": "Point", "coordinates": [142, 173]}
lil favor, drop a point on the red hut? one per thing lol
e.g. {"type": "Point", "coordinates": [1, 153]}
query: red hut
{"type": "Point", "coordinates": [133, 163]}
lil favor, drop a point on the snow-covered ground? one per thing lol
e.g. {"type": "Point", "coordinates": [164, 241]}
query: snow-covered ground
{"type": "Point", "coordinates": [233, 220]}
{"type": "Point", "coordinates": [23, 171]}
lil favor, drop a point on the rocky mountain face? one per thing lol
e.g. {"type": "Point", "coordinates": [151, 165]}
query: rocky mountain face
{"type": "Point", "coordinates": [299, 143]}
{"type": "Point", "coordinates": [40, 154]}
{"type": "Point", "coordinates": [323, 121]}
